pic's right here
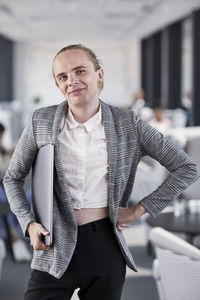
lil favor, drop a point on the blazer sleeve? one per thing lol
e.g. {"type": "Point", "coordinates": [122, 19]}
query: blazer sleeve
{"type": "Point", "coordinates": [183, 172]}
{"type": "Point", "coordinates": [18, 169]}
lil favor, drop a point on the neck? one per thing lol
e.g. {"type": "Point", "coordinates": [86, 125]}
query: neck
{"type": "Point", "coordinates": [83, 113]}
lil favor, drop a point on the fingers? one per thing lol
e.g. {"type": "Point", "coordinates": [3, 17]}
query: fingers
{"type": "Point", "coordinates": [123, 226]}
{"type": "Point", "coordinates": [39, 242]}
{"type": "Point", "coordinates": [124, 215]}
{"type": "Point", "coordinates": [44, 232]}
{"type": "Point", "coordinates": [37, 232]}
{"type": "Point", "coordinates": [40, 246]}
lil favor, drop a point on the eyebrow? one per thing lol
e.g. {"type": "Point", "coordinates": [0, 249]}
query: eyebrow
{"type": "Point", "coordinates": [74, 69]}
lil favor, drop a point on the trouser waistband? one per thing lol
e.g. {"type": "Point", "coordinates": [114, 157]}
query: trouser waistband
{"type": "Point", "coordinates": [102, 223]}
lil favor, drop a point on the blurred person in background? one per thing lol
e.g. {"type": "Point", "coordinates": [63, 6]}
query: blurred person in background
{"type": "Point", "coordinates": [4, 154]}
{"type": "Point", "coordinates": [139, 105]}
{"type": "Point", "coordinates": [20, 251]}
{"type": "Point", "coordinates": [138, 101]}
{"type": "Point", "coordinates": [187, 106]}
{"type": "Point", "coordinates": [97, 150]}
{"type": "Point", "coordinates": [159, 120]}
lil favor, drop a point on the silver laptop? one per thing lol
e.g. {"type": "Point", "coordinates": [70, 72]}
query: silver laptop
{"type": "Point", "coordinates": [42, 189]}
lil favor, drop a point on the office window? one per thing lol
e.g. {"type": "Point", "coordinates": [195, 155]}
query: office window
{"type": "Point", "coordinates": [196, 68]}
{"type": "Point", "coordinates": [6, 84]}
{"type": "Point", "coordinates": [151, 68]}
{"type": "Point", "coordinates": [186, 61]}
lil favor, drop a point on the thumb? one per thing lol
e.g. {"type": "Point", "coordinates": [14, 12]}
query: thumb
{"type": "Point", "coordinates": [44, 231]}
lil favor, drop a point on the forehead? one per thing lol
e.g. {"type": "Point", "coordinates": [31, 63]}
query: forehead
{"type": "Point", "coordinates": [71, 59]}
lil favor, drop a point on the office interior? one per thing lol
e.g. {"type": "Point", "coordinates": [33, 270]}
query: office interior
{"type": "Point", "coordinates": [146, 46]}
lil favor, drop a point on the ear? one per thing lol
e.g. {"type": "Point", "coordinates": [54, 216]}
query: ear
{"type": "Point", "coordinates": [100, 74]}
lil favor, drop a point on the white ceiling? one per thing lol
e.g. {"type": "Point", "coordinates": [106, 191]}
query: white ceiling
{"type": "Point", "coordinates": [103, 20]}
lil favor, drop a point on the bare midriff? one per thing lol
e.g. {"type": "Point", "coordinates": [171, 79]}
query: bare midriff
{"type": "Point", "coordinates": [87, 215]}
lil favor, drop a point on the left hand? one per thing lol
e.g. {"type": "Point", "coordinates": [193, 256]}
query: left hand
{"type": "Point", "coordinates": [129, 215]}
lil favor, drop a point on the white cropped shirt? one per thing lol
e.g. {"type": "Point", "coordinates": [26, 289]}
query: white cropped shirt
{"type": "Point", "coordinates": [84, 158]}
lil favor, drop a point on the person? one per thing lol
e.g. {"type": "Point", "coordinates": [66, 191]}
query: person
{"type": "Point", "coordinates": [187, 107]}
{"type": "Point", "coordinates": [20, 251]}
{"type": "Point", "coordinates": [4, 154]}
{"type": "Point", "coordinates": [97, 150]}
{"type": "Point", "coordinates": [138, 101]}
{"type": "Point", "coordinates": [139, 105]}
{"type": "Point", "coordinates": [159, 120]}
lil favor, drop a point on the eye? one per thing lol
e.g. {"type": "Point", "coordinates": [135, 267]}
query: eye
{"type": "Point", "coordinates": [80, 71]}
{"type": "Point", "coordinates": [63, 77]}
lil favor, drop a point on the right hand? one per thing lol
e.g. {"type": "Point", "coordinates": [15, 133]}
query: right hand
{"type": "Point", "coordinates": [36, 231]}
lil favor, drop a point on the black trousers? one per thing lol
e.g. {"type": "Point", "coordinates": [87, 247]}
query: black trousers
{"type": "Point", "coordinates": [97, 267]}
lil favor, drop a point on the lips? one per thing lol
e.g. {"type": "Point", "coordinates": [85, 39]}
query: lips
{"type": "Point", "coordinates": [76, 91]}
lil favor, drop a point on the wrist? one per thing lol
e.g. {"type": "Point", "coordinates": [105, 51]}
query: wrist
{"type": "Point", "coordinates": [29, 228]}
{"type": "Point", "coordinates": [138, 211]}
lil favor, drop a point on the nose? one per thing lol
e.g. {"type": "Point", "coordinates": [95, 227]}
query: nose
{"type": "Point", "coordinates": [72, 79]}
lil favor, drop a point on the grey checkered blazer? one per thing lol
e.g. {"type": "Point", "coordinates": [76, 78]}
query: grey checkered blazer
{"type": "Point", "coordinates": [128, 139]}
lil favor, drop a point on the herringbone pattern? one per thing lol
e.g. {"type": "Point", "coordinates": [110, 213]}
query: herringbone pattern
{"type": "Point", "coordinates": [128, 138]}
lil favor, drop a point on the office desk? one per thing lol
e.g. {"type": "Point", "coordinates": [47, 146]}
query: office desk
{"type": "Point", "coordinates": [188, 223]}
{"type": "Point", "coordinates": [183, 134]}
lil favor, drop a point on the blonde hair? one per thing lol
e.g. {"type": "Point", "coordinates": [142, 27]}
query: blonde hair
{"type": "Point", "coordinates": [92, 56]}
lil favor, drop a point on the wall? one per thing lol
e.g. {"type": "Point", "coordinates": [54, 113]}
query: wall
{"type": "Point", "coordinates": [33, 78]}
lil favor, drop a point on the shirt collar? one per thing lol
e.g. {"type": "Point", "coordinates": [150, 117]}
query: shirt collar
{"type": "Point", "coordinates": [89, 125]}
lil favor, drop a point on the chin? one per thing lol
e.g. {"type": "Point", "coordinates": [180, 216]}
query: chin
{"type": "Point", "coordinates": [77, 102]}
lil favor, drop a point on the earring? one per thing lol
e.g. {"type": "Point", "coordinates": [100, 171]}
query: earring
{"type": "Point", "coordinates": [100, 85]}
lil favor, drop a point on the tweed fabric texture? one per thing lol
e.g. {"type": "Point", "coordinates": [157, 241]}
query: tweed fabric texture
{"type": "Point", "coordinates": [128, 139]}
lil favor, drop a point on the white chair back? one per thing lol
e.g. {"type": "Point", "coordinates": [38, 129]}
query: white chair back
{"type": "Point", "coordinates": [176, 268]}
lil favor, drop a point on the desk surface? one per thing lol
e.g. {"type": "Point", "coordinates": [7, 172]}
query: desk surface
{"type": "Point", "coordinates": [188, 223]}
{"type": "Point", "coordinates": [183, 134]}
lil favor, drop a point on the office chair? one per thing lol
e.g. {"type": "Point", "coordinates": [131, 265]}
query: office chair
{"type": "Point", "coordinates": [176, 268]}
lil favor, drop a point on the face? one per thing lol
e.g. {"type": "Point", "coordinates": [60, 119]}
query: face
{"type": "Point", "coordinates": [158, 113]}
{"type": "Point", "coordinates": [76, 77]}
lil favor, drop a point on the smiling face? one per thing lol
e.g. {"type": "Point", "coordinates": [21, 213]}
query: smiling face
{"type": "Point", "coordinates": [76, 77]}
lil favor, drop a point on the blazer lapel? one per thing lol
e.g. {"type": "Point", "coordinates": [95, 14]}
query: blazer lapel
{"type": "Point", "coordinates": [112, 157]}
{"type": "Point", "coordinates": [59, 115]}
